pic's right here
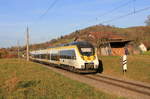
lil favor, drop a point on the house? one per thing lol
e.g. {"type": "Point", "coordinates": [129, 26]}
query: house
{"type": "Point", "coordinates": [110, 43]}
{"type": "Point", "coordinates": [142, 47]}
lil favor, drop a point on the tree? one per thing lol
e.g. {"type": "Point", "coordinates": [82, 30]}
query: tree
{"type": "Point", "coordinates": [148, 21]}
{"type": "Point", "coordinates": [3, 53]}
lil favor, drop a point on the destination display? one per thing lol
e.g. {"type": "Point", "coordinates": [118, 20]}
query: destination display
{"type": "Point", "coordinates": [86, 49]}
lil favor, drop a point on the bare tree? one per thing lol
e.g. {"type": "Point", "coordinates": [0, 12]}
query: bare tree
{"type": "Point", "coordinates": [148, 21]}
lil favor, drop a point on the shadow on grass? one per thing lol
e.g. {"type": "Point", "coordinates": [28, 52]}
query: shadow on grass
{"type": "Point", "coordinates": [26, 88]}
{"type": "Point", "coordinates": [25, 84]}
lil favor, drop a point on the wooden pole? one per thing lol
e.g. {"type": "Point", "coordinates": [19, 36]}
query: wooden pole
{"type": "Point", "coordinates": [27, 43]}
{"type": "Point", "coordinates": [18, 49]}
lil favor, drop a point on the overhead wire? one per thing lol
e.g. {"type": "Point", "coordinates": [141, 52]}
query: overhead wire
{"type": "Point", "coordinates": [49, 8]}
{"type": "Point", "coordinates": [46, 11]}
{"type": "Point", "coordinates": [116, 8]}
{"type": "Point", "coordinates": [134, 5]}
{"type": "Point", "coordinates": [112, 10]}
{"type": "Point", "coordinates": [128, 14]}
{"type": "Point", "coordinates": [125, 15]}
{"type": "Point", "coordinates": [107, 13]}
{"type": "Point", "coordinates": [51, 5]}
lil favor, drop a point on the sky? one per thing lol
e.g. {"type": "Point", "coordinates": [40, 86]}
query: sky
{"type": "Point", "coordinates": [63, 17]}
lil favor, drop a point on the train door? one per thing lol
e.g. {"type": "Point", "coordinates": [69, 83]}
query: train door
{"type": "Point", "coordinates": [54, 56]}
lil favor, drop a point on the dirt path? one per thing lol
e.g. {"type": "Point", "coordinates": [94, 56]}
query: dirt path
{"type": "Point", "coordinates": [107, 87]}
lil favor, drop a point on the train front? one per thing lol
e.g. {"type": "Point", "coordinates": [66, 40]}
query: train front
{"type": "Point", "coordinates": [88, 57]}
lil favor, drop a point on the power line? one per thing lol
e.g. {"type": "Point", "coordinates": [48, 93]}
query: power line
{"type": "Point", "coordinates": [46, 11]}
{"type": "Point", "coordinates": [134, 5]}
{"type": "Point", "coordinates": [49, 8]}
{"type": "Point", "coordinates": [116, 8]}
{"type": "Point", "coordinates": [128, 14]}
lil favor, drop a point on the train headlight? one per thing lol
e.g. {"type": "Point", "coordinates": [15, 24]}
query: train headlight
{"type": "Point", "coordinates": [88, 58]}
{"type": "Point", "coordinates": [92, 57]}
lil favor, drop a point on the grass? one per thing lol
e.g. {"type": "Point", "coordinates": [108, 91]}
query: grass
{"type": "Point", "coordinates": [27, 80]}
{"type": "Point", "coordinates": [138, 67]}
{"type": "Point", "coordinates": [146, 53]}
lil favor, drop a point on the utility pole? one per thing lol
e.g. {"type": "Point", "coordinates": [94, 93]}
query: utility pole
{"type": "Point", "coordinates": [27, 43]}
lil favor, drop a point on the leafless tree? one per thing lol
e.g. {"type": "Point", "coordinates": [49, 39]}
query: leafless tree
{"type": "Point", "coordinates": [148, 21]}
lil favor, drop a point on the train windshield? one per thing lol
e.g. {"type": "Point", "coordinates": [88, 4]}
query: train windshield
{"type": "Point", "coordinates": [86, 48]}
{"type": "Point", "coordinates": [87, 51]}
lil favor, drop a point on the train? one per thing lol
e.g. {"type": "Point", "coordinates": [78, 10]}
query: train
{"type": "Point", "coordinates": [78, 56]}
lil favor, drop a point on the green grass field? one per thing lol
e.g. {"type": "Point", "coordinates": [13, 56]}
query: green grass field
{"type": "Point", "coordinates": [138, 67]}
{"type": "Point", "coordinates": [27, 80]}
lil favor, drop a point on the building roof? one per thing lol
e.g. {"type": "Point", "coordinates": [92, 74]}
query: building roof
{"type": "Point", "coordinates": [111, 37]}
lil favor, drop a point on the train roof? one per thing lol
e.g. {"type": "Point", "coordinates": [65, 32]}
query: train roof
{"type": "Point", "coordinates": [79, 43]}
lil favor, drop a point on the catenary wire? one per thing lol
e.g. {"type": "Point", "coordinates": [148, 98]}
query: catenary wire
{"type": "Point", "coordinates": [49, 8]}
{"type": "Point", "coordinates": [128, 14]}
{"type": "Point", "coordinates": [114, 9]}
{"type": "Point", "coordinates": [46, 11]}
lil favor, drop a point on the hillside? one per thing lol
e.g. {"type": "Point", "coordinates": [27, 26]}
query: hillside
{"type": "Point", "coordinates": [137, 34]}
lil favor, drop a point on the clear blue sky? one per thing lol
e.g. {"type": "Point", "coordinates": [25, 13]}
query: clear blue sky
{"type": "Point", "coordinates": [64, 17]}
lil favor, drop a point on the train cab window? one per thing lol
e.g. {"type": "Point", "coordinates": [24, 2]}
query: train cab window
{"type": "Point", "coordinates": [87, 51]}
{"type": "Point", "coordinates": [85, 48]}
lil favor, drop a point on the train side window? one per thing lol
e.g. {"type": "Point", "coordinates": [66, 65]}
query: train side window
{"type": "Point", "coordinates": [43, 56]}
{"type": "Point", "coordinates": [55, 57]}
{"type": "Point", "coordinates": [48, 56]}
{"type": "Point", "coordinates": [67, 54]}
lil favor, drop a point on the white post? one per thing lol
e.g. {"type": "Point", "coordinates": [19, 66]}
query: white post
{"type": "Point", "coordinates": [124, 63]}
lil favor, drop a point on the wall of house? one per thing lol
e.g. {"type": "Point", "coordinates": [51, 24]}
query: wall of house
{"type": "Point", "coordinates": [106, 51]}
{"type": "Point", "coordinates": [117, 51]}
{"type": "Point", "coordinates": [113, 49]}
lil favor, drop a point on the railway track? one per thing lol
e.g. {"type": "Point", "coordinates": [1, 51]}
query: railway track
{"type": "Point", "coordinates": [128, 85]}
{"type": "Point", "coordinates": [120, 87]}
